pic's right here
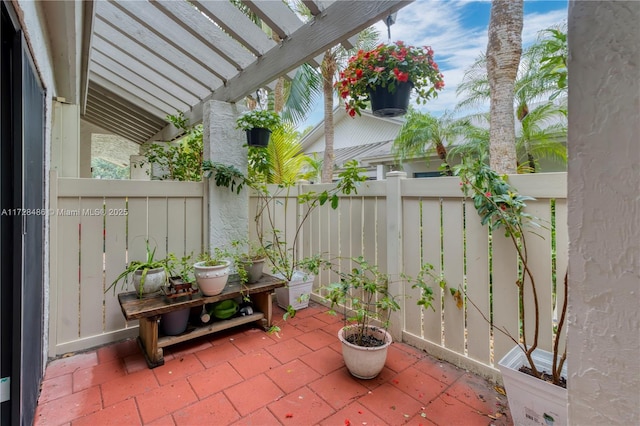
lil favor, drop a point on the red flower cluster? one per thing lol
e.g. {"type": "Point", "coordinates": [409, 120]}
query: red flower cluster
{"type": "Point", "coordinates": [388, 65]}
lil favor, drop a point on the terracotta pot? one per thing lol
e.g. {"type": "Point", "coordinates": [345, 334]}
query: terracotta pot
{"type": "Point", "coordinates": [364, 362]}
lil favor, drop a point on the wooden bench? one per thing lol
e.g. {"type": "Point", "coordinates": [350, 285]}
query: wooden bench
{"type": "Point", "coordinates": [149, 309]}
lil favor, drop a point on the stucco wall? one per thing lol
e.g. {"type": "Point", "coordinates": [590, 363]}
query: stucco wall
{"type": "Point", "coordinates": [223, 143]}
{"type": "Point", "coordinates": [604, 205]}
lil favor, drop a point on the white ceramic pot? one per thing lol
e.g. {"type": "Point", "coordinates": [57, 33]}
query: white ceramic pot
{"type": "Point", "coordinates": [153, 281]}
{"type": "Point", "coordinates": [254, 269]}
{"type": "Point", "coordinates": [533, 401]}
{"type": "Point", "coordinates": [297, 292]}
{"type": "Point", "coordinates": [364, 362]}
{"type": "Point", "coordinates": [211, 279]}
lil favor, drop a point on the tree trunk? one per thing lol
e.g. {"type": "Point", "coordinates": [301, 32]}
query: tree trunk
{"type": "Point", "coordinates": [278, 96]}
{"type": "Point", "coordinates": [442, 154]}
{"type": "Point", "coordinates": [503, 57]}
{"type": "Point", "coordinates": [329, 67]}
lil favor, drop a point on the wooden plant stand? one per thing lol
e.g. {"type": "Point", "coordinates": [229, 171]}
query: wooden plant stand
{"type": "Point", "coordinates": [149, 309]}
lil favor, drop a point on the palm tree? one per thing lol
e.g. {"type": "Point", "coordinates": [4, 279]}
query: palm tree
{"type": "Point", "coordinates": [540, 135]}
{"type": "Point", "coordinates": [554, 52]}
{"type": "Point", "coordinates": [422, 133]}
{"type": "Point", "coordinates": [503, 57]}
{"type": "Point", "coordinates": [532, 85]}
{"type": "Point", "coordinates": [543, 129]}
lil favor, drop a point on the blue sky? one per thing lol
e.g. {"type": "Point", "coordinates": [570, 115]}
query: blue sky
{"type": "Point", "coordinates": [457, 32]}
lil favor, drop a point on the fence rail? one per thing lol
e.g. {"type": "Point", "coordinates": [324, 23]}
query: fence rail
{"type": "Point", "coordinates": [398, 224]}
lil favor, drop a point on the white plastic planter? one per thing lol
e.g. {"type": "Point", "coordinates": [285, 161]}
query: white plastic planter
{"type": "Point", "coordinates": [533, 401]}
{"type": "Point", "coordinates": [297, 292]}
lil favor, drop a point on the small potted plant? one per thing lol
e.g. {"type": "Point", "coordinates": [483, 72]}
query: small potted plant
{"type": "Point", "coordinates": [258, 124]}
{"type": "Point", "coordinates": [386, 75]}
{"type": "Point", "coordinates": [212, 272]}
{"type": "Point", "coordinates": [249, 258]}
{"type": "Point", "coordinates": [181, 278]}
{"type": "Point", "coordinates": [148, 277]}
{"type": "Point", "coordinates": [535, 379]}
{"type": "Point", "coordinates": [364, 296]}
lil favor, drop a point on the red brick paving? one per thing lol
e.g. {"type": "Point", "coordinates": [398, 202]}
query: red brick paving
{"type": "Point", "coordinates": [247, 377]}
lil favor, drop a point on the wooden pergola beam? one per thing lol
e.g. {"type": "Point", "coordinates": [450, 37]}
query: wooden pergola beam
{"type": "Point", "coordinates": [339, 21]}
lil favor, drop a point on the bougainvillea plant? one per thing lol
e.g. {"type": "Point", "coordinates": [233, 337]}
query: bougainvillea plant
{"type": "Point", "coordinates": [500, 206]}
{"type": "Point", "coordinates": [386, 66]}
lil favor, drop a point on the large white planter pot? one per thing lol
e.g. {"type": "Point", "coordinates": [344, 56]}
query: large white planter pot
{"type": "Point", "coordinates": [533, 401]}
{"type": "Point", "coordinates": [153, 281]}
{"type": "Point", "coordinates": [211, 279]}
{"type": "Point", "coordinates": [363, 362]}
{"type": "Point", "coordinates": [297, 292]}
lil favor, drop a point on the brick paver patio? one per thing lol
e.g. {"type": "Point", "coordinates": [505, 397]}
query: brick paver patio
{"type": "Point", "coordinates": [245, 376]}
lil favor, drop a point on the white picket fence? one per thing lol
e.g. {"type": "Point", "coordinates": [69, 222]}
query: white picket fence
{"type": "Point", "coordinates": [398, 224]}
{"type": "Point", "coordinates": [97, 227]}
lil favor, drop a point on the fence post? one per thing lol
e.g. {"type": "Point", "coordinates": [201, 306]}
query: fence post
{"type": "Point", "coordinates": [52, 338]}
{"type": "Point", "coordinates": [394, 249]}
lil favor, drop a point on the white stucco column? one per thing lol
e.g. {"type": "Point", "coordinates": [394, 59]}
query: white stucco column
{"type": "Point", "coordinates": [223, 143]}
{"type": "Point", "coordinates": [604, 212]}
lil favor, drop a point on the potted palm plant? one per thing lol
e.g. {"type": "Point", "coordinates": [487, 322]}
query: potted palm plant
{"type": "Point", "coordinates": [148, 276]}
{"type": "Point", "coordinates": [535, 379]}
{"type": "Point", "coordinates": [258, 124]}
{"type": "Point", "coordinates": [386, 75]}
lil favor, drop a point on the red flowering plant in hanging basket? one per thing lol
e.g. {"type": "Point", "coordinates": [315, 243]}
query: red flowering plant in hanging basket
{"type": "Point", "coordinates": [389, 65]}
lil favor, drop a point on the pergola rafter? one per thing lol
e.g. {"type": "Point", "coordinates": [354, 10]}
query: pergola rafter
{"type": "Point", "coordinates": [163, 57]}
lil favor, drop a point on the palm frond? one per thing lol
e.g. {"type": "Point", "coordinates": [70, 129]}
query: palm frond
{"type": "Point", "coordinates": [301, 94]}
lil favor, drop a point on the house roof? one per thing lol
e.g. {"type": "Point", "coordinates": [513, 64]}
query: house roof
{"type": "Point", "coordinates": [362, 153]}
{"type": "Point", "coordinates": [143, 60]}
{"type": "Point", "coordinates": [339, 114]}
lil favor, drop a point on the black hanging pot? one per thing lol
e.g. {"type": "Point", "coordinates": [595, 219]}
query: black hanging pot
{"type": "Point", "coordinates": [387, 104]}
{"type": "Point", "coordinates": [258, 136]}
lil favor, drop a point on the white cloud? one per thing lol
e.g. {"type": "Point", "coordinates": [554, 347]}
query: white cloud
{"type": "Point", "coordinates": [439, 24]}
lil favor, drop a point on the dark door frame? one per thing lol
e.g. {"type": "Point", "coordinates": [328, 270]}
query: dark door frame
{"type": "Point", "coordinates": [21, 233]}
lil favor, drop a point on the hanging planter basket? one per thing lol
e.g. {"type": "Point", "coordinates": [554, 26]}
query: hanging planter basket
{"type": "Point", "coordinates": [387, 104]}
{"type": "Point", "coordinates": [258, 136]}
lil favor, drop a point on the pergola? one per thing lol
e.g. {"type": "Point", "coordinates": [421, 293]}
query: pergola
{"type": "Point", "coordinates": [143, 60]}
